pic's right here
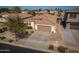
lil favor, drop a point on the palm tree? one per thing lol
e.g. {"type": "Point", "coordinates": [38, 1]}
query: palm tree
{"type": "Point", "coordinates": [16, 25]}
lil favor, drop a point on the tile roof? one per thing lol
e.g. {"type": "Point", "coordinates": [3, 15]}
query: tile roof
{"type": "Point", "coordinates": [73, 10]}
{"type": "Point", "coordinates": [43, 19]}
{"type": "Point", "coordinates": [25, 15]}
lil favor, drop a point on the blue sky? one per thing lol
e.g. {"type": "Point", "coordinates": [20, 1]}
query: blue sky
{"type": "Point", "coordinates": [42, 7]}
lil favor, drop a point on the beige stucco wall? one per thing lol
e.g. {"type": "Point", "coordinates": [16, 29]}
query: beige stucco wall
{"type": "Point", "coordinates": [53, 29]}
{"type": "Point", "coordinates": [32, 24]}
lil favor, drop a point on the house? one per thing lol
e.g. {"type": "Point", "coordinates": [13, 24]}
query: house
{"type": "Point", "coordinates": [44, 23]}
{"type": "Point", "coordinates": [41, 12]}
{"type": "Point", "coordinates": [71, 19]}
{"type": "Point", "coordinates": [55, 12]}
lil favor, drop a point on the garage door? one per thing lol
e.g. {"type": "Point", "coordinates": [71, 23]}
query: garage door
{"type": "Point", "coordinates": [44, 28]}
{"type": "Point", "coordinates": [74, 26]}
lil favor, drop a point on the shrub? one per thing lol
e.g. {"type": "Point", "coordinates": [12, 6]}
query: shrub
{"type": "Point", "coordinates": [1, 30]}
{"type": "Point", "coordinates": [2, 37]}
{"type": "Point", "coordinates": [32, 31]}
{"type": "Point", "coordinates": [29, 27]}
{"type": "Point", "coordinates": [26, 32]}
{"type": "Point", "coordinates": [59, 19]}
{"type": "Point", "coordinates": [52, 13]}
{"type": "Point", "coordinates": [5, 28]}
{"type": "Point", "coordinates": [61, 49]}
{"type": "Point", "coordinates": [51, 47]}
{"type": "Point", "coordinates": [10, 40]}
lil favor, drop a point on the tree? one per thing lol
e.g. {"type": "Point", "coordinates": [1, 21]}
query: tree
{"type": "Point", "coordinates": [4, 10]}
{"type": "Point", "coordinates": [32, 12]}
{"type": "Point", "coordinates": [17, 9]}
{"type": "Point", "coordinates": [39, 9]}
{"type": "Point", "coordinates": [16, 25]}
{"type": "Point", "coordinates": [48, 11]}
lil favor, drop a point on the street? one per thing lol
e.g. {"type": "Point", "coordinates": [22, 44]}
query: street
{"type": "Point", "coordinates": [5, 48]}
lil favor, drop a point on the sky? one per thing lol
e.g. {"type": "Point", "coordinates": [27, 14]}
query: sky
{"type": "Point", "coordinates": [42, 7]}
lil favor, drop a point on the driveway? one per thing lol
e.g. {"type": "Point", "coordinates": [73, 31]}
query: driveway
{"type": "Point", "coordinates": [76, 34]}
{"type": "Point", "coordinates": [39, 40]}
{"type": "Point", "coordinates": [40, 36]}
{"type": "Point", "coordinates": [70, 38]}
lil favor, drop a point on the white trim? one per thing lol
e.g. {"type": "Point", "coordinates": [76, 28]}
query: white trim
{"type": "Point", "coordinates": [53, 29]}
{"type": "Point", "coordinates": [44, 24]}
{"type": "Point", "coordinates": [36, 27]}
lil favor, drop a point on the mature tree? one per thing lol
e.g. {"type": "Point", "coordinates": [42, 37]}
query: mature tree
{"type": "Point", "coordinates": [17, 9]}
{"type": "Point", "coordinates": [16, 25]}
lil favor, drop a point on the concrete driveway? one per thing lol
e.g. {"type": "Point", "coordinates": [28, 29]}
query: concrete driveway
{"type": "Point", "coordinates": [70, 38]}
{"type": "Point", "coordinates": [38, 40]}
{"type": "Point", "coordinates": [41, 40]}
{"type": "Point", "coordinates": [76, 34]}
{"type": "Point", "coordinates": [40, 36]}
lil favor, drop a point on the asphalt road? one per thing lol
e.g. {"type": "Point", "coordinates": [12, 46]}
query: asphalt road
{"type": "Point", "coordinates": [5, 48]}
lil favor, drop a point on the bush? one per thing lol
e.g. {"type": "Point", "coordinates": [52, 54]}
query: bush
{"type": "Point", "coordinates": [61, 49]}
{"type": "Point", "coordinates": [26, 32]}
{"type": "Point", "coordinates": [10, 40]}
{"type": "Point", "coordinates": [59, 19]}
{"type": "Point", "coordinates": [1, 31]}
{"type": "Point", "coordinates": [29, 27]}
{"type": "Point", "coordinates": [51, 47]}
{"type": "Point", "coordinates": [32, 12]}
{"type": "Point", "coordinates": [5, 28]}
{"type": "Point", "coordinates": [52, 13]}
{"type": "Point", "coordinates": [2, 37]}
{"type": "Point", "coordinates": [32, 31]}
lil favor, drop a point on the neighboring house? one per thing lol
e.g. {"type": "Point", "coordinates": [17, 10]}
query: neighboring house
{"type": "Point", "coordinates": [54, 11]}
{"type": "Point", "coordinates": [44, 23]}
{"type": "Point", "coordinates": [41, 12]}
{"type": "Point", "coordinates": [72, 19]}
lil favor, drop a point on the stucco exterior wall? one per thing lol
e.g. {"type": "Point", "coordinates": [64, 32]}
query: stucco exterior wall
{"type": "Point", "coordinates": [53, 29]}
{"type": "Point", "coordinates": [32, 24]}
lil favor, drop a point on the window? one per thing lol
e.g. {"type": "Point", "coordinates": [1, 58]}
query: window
{"type": "Point", "coordinates": [72, 15]}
